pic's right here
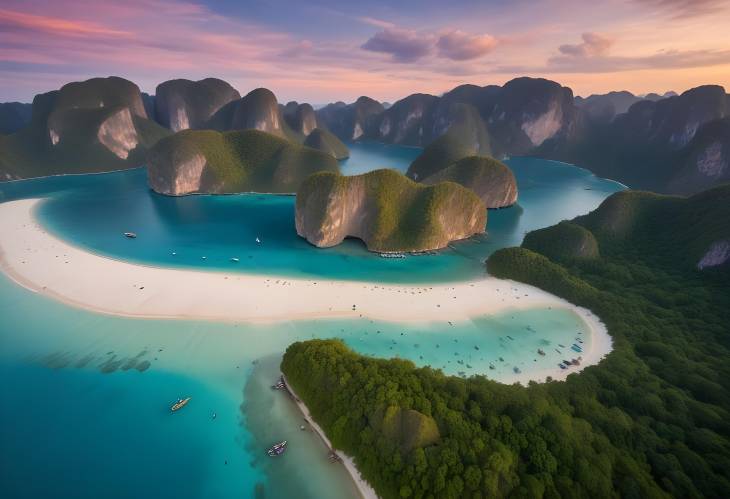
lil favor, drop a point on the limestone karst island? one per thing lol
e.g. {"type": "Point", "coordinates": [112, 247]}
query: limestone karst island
{"type": "Point", "coordinates": [344, 250]}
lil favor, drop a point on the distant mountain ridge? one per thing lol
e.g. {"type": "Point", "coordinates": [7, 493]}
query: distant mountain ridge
{"type": "Point", "coordinates": [670, 144]}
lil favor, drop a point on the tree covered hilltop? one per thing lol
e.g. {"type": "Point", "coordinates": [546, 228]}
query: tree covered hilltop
{"type": "Point", "coordinates": [651, 420]}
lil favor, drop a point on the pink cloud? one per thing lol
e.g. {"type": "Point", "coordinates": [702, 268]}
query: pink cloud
{"type": "Point", "coordinates": [594, 44]}
{"type": "Point", "coordinates": [10, 19]}
{"type": "Point", "coordinates": [460, 46]}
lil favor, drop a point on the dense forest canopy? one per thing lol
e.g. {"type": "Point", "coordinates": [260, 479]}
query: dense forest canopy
{"type": "Point", "coordinates": [651, 420]}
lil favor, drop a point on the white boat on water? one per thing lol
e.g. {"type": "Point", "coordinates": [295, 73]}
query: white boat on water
{"type": "Point", "coordinates": [130, 235]}
{"type": "Point", "coordinates": [235, 260]}
{"type": "Point", "coordinates": [258, 241]}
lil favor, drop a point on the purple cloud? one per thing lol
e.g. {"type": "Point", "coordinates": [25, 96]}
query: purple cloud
{"type": "Point", "coordinates": [460, 46]}
{"type": "Point", "coordinates": [403, 45]}
{"type": "Point", "coordinates": [594, 44]}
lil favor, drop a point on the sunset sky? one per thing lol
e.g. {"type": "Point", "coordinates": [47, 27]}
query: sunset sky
{"type": "Point", "coordinates": [325, 50]}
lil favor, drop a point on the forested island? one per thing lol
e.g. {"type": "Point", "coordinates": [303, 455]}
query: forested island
{"type": "Point", "coordinates": [650, 421]}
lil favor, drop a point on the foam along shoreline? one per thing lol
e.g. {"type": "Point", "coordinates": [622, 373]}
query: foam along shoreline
{"type": "Point", "coordinates": [45, 264]}
{"type": "Point", "coordinates": [366, 491]}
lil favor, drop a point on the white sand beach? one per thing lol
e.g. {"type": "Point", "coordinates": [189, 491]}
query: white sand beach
{"type": "Point", "coordinates": [45, 264]}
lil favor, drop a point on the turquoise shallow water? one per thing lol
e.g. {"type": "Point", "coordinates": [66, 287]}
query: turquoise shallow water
{"type": "Point", "coordinates": [93, 212]}
{"type": "Point", "coordinates": [85, 397]}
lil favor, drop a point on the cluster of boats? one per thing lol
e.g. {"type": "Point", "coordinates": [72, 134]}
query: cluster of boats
{"type": "Point", "coordinates": [279, 385]}
{"type": "Point", "coordinates": [567, 363]}
{"type": "Point", "coordinates": [392, 255]}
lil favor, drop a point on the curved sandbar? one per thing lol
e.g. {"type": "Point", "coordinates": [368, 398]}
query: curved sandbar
{"type": "Point", "coordinates": [45, 264]}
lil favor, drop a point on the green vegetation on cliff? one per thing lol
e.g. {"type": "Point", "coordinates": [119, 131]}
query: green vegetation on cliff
{"type": "Point", "coordinates": [563, 241]}
{"type": "Point", "coordinates": [389, 211]}
{"type": "Point", "coordinates": [467, 136]}
{"type": "Point", "coordinates": [238, 161]}
{"type": "Point", "coordinates": [325, 141]}
{"type": "Point", "coordinates": [491, 180]}
{"type": "Point", "coordinates": [650, 421]}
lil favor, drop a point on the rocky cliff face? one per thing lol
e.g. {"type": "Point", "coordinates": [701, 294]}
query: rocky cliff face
{"type": "Point", "coordinates": [91, 126]}
{"type": "Point", "coordinates": [118, 133]}
{"type": "Point", "coordinates": [673, 122]}
{"type": "Point", "coordinates": [258, 110]}
{"type": "Point", "coordinates": [406, 121]}
{"type": "Point", "coordinates": [386, 211]}
{"type": "Point", "coordinates": [674, 145]}
{"type": "Point", "coordinates": [604, 108]}
{"type": "Point", "coordinates": [717, 254]}
{"type": "Point", "coordinates": [349, 122]}
{"type": "Point", "coordinates": [101, 92]}
{"type": "Point", "coordinates": [705, 161]}
{"type": "Point", "coordinates": [519, 116]}
{"type": "Point", "coordinates": [183, 104]}
{"type": "Point", "coordinates": [490, 179]}
{"type": "Point", "coordinates": [300, 117]}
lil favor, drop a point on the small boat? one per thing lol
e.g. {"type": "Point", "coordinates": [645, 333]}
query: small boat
{"type": "Point", "coordinates": [576, 362]}
{"type": "Point", "coordinates": [179, 404]}
{"type": "Point", "coordinates": [491, 366]}
{"type": "Point", "coordinates": [130, 235]}
{"type": "Point", "coordinates": [277, 449]}
{"type": "Point", "coordinates": [576, 348]}
{"type": "Point", "coordinates": [567, 362]}
{"type": "Point", "coordinates": [235, 260]}
{"type": "Point", "coordinates": [541, 351]}
{"type": "Point", "coordinates": [516, 370]}
{"type": "Point", "coordinates": [258, 240]}
{"type": "Point", "coordinates": [561, 366]}
{"type": "Point", "coordinates": [279, 385]}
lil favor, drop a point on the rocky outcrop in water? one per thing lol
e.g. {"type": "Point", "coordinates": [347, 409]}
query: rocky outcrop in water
{"type": "Point", "coordinates": [211, 162]}
{"type": "Point", "coordinates": [182, 104]}
{"type": "Point", "coordinates": [387, 211]}
{"type": "Point", "coordinates": [490, 179]}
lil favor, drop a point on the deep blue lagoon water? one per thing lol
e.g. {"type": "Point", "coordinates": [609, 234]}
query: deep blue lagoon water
{"type": "Point", "coordinates": [85, 398]}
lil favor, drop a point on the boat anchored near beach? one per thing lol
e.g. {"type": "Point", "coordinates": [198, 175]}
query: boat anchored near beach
{"type": "Point", "coordinates": [277, 449]}
{"type": "Point", "coordinates": [179, 404]}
